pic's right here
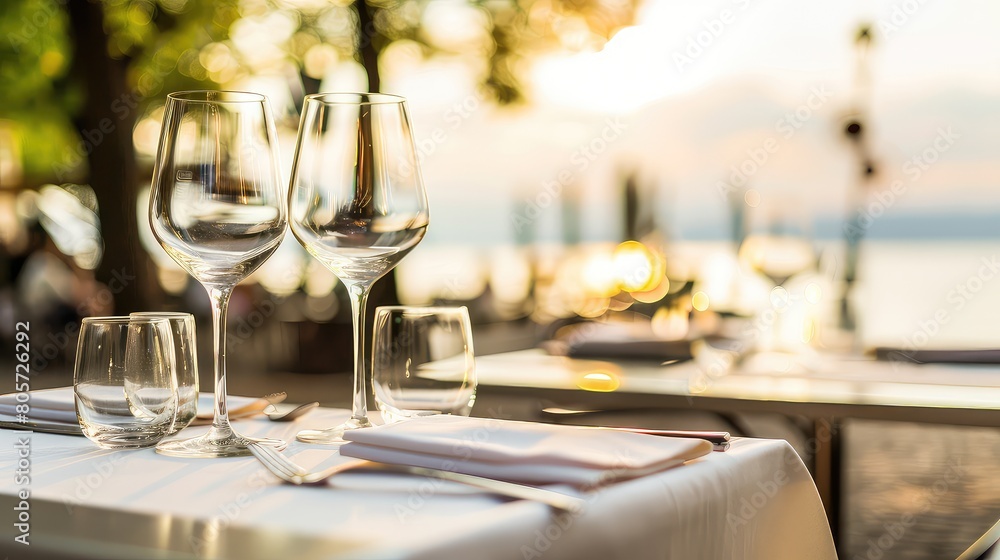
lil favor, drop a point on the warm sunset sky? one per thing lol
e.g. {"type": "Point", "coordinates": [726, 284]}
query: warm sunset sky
{"type": "Point", "coordinates": [691, 115]}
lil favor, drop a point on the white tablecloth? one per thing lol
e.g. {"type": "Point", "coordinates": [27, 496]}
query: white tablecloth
{"type": "Point", "coordinates": [755, 501]}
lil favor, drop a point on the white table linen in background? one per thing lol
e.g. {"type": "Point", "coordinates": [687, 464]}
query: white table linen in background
{"type": "Point", "coordinates": [755, 501]}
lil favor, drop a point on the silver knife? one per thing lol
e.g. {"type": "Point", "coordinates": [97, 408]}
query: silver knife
{"type": "Point", "coordinates": [43, 426]}
{"type": "Point", "coordinates": [552, 498]}
{"type": "Point", "coordinates": [555, 499]}
{"type": "Point", "coordinates": [720, 440]}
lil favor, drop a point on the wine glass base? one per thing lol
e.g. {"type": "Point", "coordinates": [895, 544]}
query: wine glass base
{"type": "Point", "coordinates": [209, 446]}
{"type": "Point", "coordinates": [334, 434]}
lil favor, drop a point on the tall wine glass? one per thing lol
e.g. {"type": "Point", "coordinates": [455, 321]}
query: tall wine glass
{"type": "Point", "coordinates": [218, 209]}
{"type": "Point", "coordinates": [357, 204]}
{"type": "Point", "coordinates": [781, 335]}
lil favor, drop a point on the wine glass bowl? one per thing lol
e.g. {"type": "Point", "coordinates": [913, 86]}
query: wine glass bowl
{"type": "Point", "coordinates": [357, 204]}
{"type": "Point", "coordinates": [779, 257]}
{"type": "Point", "coordinates": [777, 343]}
{"type": "Point", "coordinates": [217, 208]}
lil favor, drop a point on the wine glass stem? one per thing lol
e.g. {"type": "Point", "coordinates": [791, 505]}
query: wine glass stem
{"type": "Point", "coordinates": [359, 300]}
{"type": "Point", "coordinates": [220, 306]}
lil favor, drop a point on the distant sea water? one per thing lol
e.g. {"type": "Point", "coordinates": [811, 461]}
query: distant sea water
{"type": "Point", "coordinates": [917, 491]}
{"type": "Point", "coordinates": [936, 294]}
{"type": "Point", "coordinates": [930, 293]}
{"type": "Point", "coordinates": [925, 292]}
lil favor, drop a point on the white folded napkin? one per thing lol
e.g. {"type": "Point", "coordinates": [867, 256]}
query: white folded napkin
{"type": "Point", "coordinates": [56, 405]}
{"type": "Point", "coordinates": [59, 405]}
{"type": "Point", "coordinates": [524, 452]}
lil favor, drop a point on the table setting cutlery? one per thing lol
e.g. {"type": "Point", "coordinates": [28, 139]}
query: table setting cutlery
{"type": "Point", "coordinates": [938, 355]}
{"type": "Point", "coordinates": [287, 470]}
{"type": "Point", "coordinates": [720, 440]}
{"type": "Point", "coordinates": [258, 406]}
{"type": "Point", "coordinates": [43, 426]}
{"type": "Point", "coordinates": [509, 458]}
{"type": "Point", "coordinates": [288, 412]}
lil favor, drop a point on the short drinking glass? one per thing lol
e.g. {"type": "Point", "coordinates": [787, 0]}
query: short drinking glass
{"type": "Point", "coordinates": [423, 362]}
{"type": "Point", "coordinates": [124, 381]}
{"type": "Point", "coordinates": [183, 327]}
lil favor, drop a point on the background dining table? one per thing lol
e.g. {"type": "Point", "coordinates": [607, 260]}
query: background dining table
{"type": "Point", "coordinates": [754, 501]}
{"type": "Point", "coordinates": [825, 392]}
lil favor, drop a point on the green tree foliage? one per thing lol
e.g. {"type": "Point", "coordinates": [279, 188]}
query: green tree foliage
{"type": "Point", "coordinates": [173, 45]}
{"type": "Point", "coordinates": [36, 98]}
{"type": "Point", "coordinates": [160, 39]}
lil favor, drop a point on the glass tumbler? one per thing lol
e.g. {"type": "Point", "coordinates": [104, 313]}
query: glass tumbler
{"type": "Point", "coordinates": [124, 381]}
{"type": "Point", "coordinates": [423, 362]}
{"type": "Point", "coordinates": [185, 338]}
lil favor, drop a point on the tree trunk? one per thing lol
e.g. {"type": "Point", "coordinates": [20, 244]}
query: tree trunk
{"type": "Point", "coordinates": [384, 291]}
{"type": "Point", "coordinates": [367, 38]}
{"type": "Point", "coordinates": [105, 127]}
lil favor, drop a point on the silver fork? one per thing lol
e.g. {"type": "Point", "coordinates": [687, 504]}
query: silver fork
{"type": "Point", "coordinates": [277, 463]}
{"type": "Point", "coordinates": [284, 468]}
